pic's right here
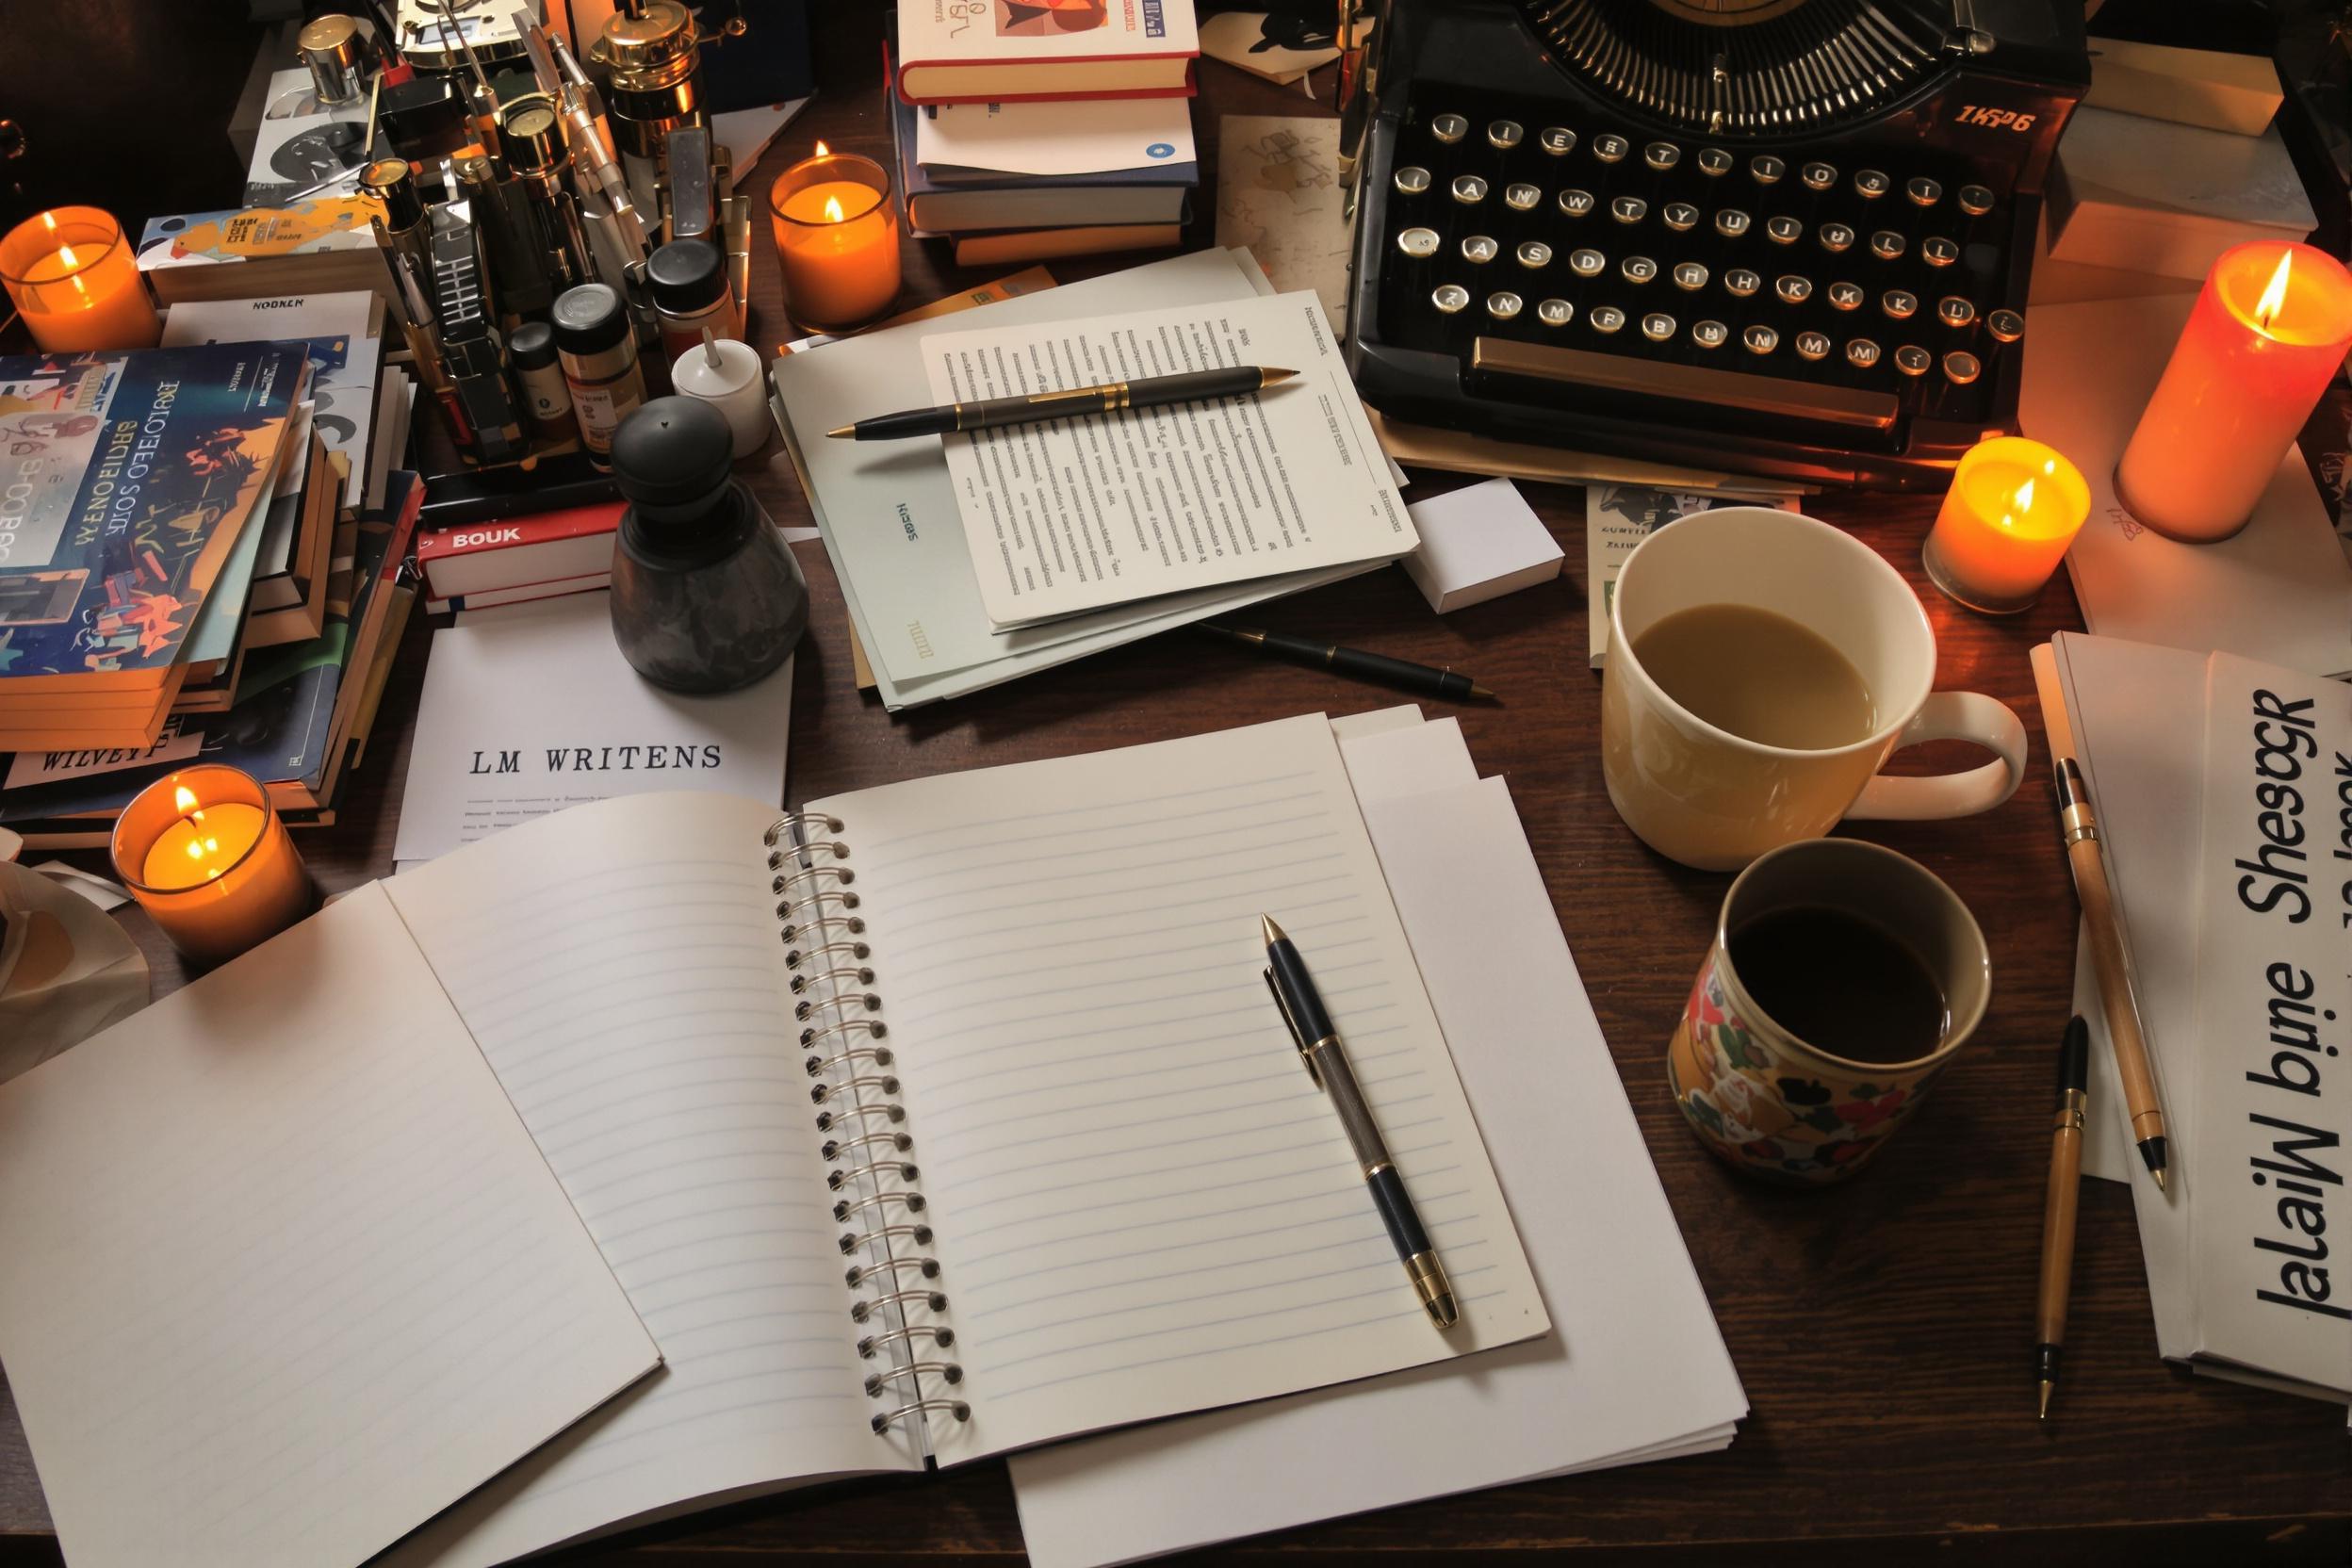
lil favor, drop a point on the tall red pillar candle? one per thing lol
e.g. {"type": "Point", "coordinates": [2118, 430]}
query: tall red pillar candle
{"type": "Point", "coordinates": [2270, 327]}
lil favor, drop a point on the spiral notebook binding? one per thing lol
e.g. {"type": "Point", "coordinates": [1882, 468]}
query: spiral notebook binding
{"type": "Point", "coordinates": [839, 1007]}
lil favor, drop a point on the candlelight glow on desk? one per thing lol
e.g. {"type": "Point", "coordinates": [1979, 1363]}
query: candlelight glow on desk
{"type": "Point", "coordinates": [208, 859]}
{"type": "Point", "coordinates": [2014, 507]}
{"type": "Point", "coordinates": [72, 276]}
{"type": "Point", "coordinates": [2269, 328]}
{"type": "Point", "coordinates": [837, 239]}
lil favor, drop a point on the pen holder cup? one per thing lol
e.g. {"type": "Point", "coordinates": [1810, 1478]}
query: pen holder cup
{"type": "Point", "coordinates": [1766, 1102]}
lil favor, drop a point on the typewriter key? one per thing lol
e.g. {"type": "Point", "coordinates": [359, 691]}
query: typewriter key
{"type": "Point", "coordinates": [1911, 360]}
{"type": "Point", "coordinates": [1606, 318]}
{"type": "Point", "coordinates": [1534, 253]}
{"type": "Point", "coordinates": [1505, 134]}
{"type": "Point", "coordinates": [1820, 176]}
{"type": "Point", "coordinates": [1870, 183]}
{"type": "Point", "coordinates": [1794, 290]}
{"type": "Point", "coordinates": [1812, 345]}
{"type": "Point", "coordinates": [1628, 210]}
{"type": "Point", "coordinates": [1898, 304]}
{"type": "Point", "coordinates": [1610, 149]}
{"type": "Point", "coordinates": [1478, 248]}
{"type": "Point", "coordinates": [1574, 203]}
{"type": "Point", "coordinates": [1681, 217]}
{"type": "Point", "coordinates": [1955, 311]}
{"type": "Point", "coordinates": [1784, 231]}
{"type": "Point", "coordinates": [1836, 238]}
{"type": "Point", "coordinates": [1759, 339]}
{"type": "Point", "coordinates": [1450, 129]}
{"type": "Point", "coordinates": [1637, 269]}
{"type": "Point", "coordinates": [1555, 313]}
{"type": "Point", "coordinates": [1559, 140]}
{"type": "Point", "coordinates": [1522, 197]}
{"type": "Point", "coordinates": [1938, 251]}
{"type": "Point", "coordinates": [1740, 283]}
{"type": "Point", "coordinates": [1845, 296]}
{"type": "Point", "coordinates": [1862, 353]}
{"type": "Point", "coordinates": [2006, 326]}
{"type": "Point", "coordinates": [1418, 243]}
{"type": "Point", "coordinates": [1658, 326]}
{"type": "Point", "coordinates": [1413, 181]}
{"type": "Point", "coordinates": [1731, 222]}
{"type": "Point", "coordinates": [1661, 155]}
{"type": "Point", "coordinates": [1586, 263]}
{"type": "Point", "coordinates": [1450, 296]}
{"type": "Point", "coordinates": [1766, 168]}
{"type": "Point", "coordinates": [1975, 200]}
{"type": "Point", "coordinates": [1714, 162]}
{"type": "Point", "coordinates": [1469, 189]}
{"type": "Point", "coordinates": [1690, 276]}
{"type": "Point", "coordinates": [1502, 304]}
{"type": "Point", "coordinates": [1923, 191]}
{"type": "Point", "coordinates": [1886, 245]}
{"type": "Point", "coordinates": [1710, 335]}
{"type": "Point", "coordinates": [1960, 367]}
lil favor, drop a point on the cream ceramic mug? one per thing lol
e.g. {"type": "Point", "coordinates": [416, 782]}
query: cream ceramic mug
{"type": "Point", "coordinates": [1711, 799]}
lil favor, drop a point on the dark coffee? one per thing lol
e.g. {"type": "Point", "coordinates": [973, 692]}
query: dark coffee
{"type": "Point", "coordinates": [1840, 984]}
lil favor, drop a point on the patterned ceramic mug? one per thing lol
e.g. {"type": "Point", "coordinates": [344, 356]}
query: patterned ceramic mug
{"type": "Point", "coordinates": [1769, 1102]}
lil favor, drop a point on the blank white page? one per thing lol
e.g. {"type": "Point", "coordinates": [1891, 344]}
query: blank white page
{"type": "Point", "coordinates": [285, 1275]}
{"type": "Point", "coordinates": [620, 965]}
{"type": "Point", "coordinates": [1143, 1204]}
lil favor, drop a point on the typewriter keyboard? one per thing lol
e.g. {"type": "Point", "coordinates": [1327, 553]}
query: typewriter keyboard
{"type": "Point", "coordinates": [1853, 292]}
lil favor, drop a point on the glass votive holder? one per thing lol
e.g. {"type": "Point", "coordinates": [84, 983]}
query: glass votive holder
{"type": "Point", "coordinates": [2013, 511]}
{"type": "Point", "coordinates": [207, 857]}
{"type": "Point", "coordinates": [74, 277]}
{"type": "Point", "coordinates": [836, 238]}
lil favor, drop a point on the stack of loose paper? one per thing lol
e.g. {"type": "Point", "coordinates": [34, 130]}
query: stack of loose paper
{"type": "Point", "coordinates": [2152, 196]}
{"type": "Point", "coordinates": [1635, 1368]}
{"type": "Point", "coordinates": [2280, 591]}
{"type": "Point", "coordinates": [887, 513]}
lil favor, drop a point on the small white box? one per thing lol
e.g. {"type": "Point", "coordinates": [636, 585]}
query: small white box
{"type": "Point", "coordinates": [1479, 542]}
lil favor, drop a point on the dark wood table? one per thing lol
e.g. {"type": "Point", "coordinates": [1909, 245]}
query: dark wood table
{"type": "Point", "coordinates": [1881, 1329]}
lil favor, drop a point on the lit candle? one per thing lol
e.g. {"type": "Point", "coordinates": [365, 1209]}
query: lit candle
{"type": "Point", "coordinates": [2269, 329]}
{"type": "Point", "coordinates": [837, 239]}
{"type": "Point", "coordinates": [75, 280]}
{"type": "Point", "coordinates": [210, 862]}
{"type": "Point", "coordinates": [2014, 507]}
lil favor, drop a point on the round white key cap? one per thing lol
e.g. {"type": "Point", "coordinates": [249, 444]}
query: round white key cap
{"type": "Point", "coordinates": [1714, 162]}
{"type": "Point", "coordinates": [1938, 251]}
{"type": "Point", "coordinates": [1898, 304]}
{"type": "Point", "coordinates": [1418, 243]}
{"type": "Point", "coordinates": [1658, 326]}
{"type": "Point", "coordinates": [1975, 200]}
{"type": "Point", "coordinates": [1505, 134]}
{"type": "Point", "coordinates": [1812, 345]}
{"type": "Point", "coordinates": [1766, 170]}
{"type": "Point", "coordinates": [1759, 339]}
{"type": "Point", "coordinates": [1886, 245]}
{"type": "Point", "coordinates": [1559, 140]}
{"type": "Point", "coordinates": [1573, 202]}
{"type": "Point", "coordinates": [1710, 335]}
{"type": "Point", "coordinates": [1955, 311]}
{"type": "Point", "coordinates": [1835, 239]}
{"type": "Point", "coordinates": [1450, 296]}
{"type": "Point", "coordinates": [1522, 197]}
{"type": "Point", "coordinates": [1605, 319]}
{"type": "Point", "coordinates": [2006, 326]}
{"type": "Point", "coordinates": [1961, 368]}
{"type": "Point", "coordinates": [1534, 253]}
{"type": "Point", "coordinates": [1478, 248]}
{"type": "Point", "coordinates": [1870, 183]}
{"type": "Point", "coordinates": [1731, 222]}
{"type": "Point", "coordinates": [1412, 180]}
{"type": "Point", "coordinates": [1637, 269]}
{"type": "Point", "coordinates": [1450, 129]}
{"type": "Point", "coordinates": [1585, 262]}
{"type": "Point", "coordinates": [1923, 191]}
{"type": "Point", "coordinates": [1690, 276]}
{"type": "Point", "coordinates": [1503, 305]}
{"type": "Point", "coordinates": [1469, 189]}
{"type": "Point", "coordinates": [1555, 313]}
{"type": "Point", "coordinates": [1741, 282]}
{"type": "Point", "coordinates": [1911, 360]}
{"type": "Point", "coordinates": [1628, 210]}
{"type": "Point", "coordinates": [1661, 155]}
{"type": "Point", "coordinates": [1610, 149]}
{"type": "Point", "coordinates": [1862, 353]}
{"type": "Point", "coordinates": [1784, 231]}
{"type": "Point", "coordinates": [1794, 290]}
{"type": "Point", "coordinates": [1818, 176]}
{"type": "Point", "coordinates": [1845, 296]}
{"type": "Point", "coordinates": [1681, 217]}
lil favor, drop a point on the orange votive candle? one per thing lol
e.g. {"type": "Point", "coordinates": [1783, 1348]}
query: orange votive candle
{"type": "Point", "coordinates": [837, 239]}
{"type": "Point", "coordinates": [74, 278]}
{"type": "Point", "coordinates": [208, 859]}
{"type": "Point", "coordinates": [2270, 327]}
{"type": "Point", "coordinates": [2014, 507]}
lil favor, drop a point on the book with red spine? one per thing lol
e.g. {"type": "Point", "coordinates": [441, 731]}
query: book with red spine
{"type": "Point", "coordinates": [514, 552]}
{"type": "Point", "coordinates": [1020, 51]}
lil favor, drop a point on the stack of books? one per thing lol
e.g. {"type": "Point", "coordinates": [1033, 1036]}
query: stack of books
{"type": "Point", "coordinates": [1055, 132]}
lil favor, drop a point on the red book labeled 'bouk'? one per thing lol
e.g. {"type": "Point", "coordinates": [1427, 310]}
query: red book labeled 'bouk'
{"type": "Point", "coordinates": [482, 558]}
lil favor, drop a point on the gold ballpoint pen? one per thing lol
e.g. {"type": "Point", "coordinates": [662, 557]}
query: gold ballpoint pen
{"type": "Point", "coordinates": [2079, 826]}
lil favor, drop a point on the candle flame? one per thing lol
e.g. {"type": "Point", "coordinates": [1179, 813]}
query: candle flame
{"type": "Point", "coordinates": [2275, 296]}
{"type": "Point", "coordinates": [832, 209]}
{"type": "Point", "coordinates": [822, 151]}
{"type": "Point", "coordinates": [2025, 496]}
{"type": "Point", "coordinates": [183, 799]}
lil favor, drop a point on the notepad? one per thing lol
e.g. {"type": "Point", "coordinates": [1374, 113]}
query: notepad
{"type": "Point", "coordinates": [285, 1273]}
{"type": "Point", "coordinates": [1013, 1050]}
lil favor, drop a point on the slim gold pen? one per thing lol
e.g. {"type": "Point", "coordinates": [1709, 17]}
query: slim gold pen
{"type": "Point", "coordinates": [2058, 1211]}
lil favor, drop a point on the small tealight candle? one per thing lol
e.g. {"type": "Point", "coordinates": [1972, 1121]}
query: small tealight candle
{"type": "Point", "coordinates": [2014, 507]}
{"type": "Point", "coordinates": [74, 279]}
{"type": "Point", "coordinates": [726, 374]}
{"type": "Point", "coordinates": [208, 859]}
{"type": "Point", "coordinates": [837, 239]}
{"type": "Point", "coordinates": [2269, 328]}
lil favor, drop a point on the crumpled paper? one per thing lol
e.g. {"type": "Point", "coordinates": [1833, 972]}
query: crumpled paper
{"type": "Point", "coordinates": [66, 971]}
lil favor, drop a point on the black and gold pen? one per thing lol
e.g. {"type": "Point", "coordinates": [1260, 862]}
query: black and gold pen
{"type": "Point", "coordinates": [1326, 1061]}
{"type": "Point", "coordinates": [1235, 380]}
{"type": "Point", "coordinates": [1448, 685]}
{"type": "Point", "coordinates": [2058, 1209]}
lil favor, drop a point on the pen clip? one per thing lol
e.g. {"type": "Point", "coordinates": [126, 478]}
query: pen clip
{"type": "Point", "coordinates": [1292, 1024]}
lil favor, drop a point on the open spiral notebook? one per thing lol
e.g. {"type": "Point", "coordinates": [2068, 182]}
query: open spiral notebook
{"type": "Point", "coordinates": [1042, 1161]}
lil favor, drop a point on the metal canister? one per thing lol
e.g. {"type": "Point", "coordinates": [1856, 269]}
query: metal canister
{"type": "Point", "coordinates": [336, 51]}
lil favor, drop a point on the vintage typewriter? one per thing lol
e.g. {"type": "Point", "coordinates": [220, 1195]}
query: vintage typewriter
{"type": "Point", "coordinates": [1786, 238]}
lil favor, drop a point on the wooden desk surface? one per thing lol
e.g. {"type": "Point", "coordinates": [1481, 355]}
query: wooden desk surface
{"type": "Point", "coordinates": [1882, 1328]}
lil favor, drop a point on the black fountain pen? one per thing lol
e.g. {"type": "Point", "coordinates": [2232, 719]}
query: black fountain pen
{"type": "Point", "coordinates": [1447, 685]}
{"type": "Point", "coordinates": [1326, 1061]}
{"type": "Point", "coordinates": [1235, 380]}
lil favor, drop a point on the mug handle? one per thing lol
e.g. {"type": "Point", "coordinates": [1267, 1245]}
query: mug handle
{"type": "Point", "coordinates": [1950, 716]}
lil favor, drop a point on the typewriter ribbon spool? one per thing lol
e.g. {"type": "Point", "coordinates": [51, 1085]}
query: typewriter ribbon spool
{"type": "Point", "coordinates": [879, 1203]}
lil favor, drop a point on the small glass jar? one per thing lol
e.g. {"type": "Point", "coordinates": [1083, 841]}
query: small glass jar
{"type": "Point", "coordinates": [597, 344]}
{"type": "Point", "coordinates": [688, 281]}
{"type": "Point", "coordinates": [546, 397]}
{"type": "Point", "coordinates": [837, 239]}
{"type": "Point", "coordinates": [706, 595]}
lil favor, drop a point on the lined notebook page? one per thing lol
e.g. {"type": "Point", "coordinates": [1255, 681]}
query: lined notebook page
{"type": "Point", "coordinates": [620, 966]}
{"type": "Point", "coordinates": [1143, 1204]}
{"type": "Point", "coordinates": [285, 1276]}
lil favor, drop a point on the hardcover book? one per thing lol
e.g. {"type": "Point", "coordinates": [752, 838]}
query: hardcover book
{"type": "Point", "coordinates": [998, 51]}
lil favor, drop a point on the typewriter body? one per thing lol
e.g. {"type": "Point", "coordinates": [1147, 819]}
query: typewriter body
{"type": "Point", "coordinates": [1784, 237]}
